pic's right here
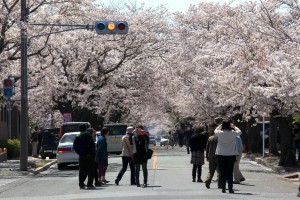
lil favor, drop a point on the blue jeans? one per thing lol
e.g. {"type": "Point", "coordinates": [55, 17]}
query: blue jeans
{"type": "Point", "coordinates": [137, 172]}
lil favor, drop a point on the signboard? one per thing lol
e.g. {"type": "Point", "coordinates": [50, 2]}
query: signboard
{"type": "Point", "coordinates": [67, 117]}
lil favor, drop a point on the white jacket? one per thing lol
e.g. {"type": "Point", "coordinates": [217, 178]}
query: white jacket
{"type": "Point", "coordinates": [227, 141]}
{"type": "Point", "coordinates": [126, 146]}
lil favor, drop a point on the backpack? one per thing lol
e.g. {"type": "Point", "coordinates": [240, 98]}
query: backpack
{"type": "Point", "coordinates": [76, 145]}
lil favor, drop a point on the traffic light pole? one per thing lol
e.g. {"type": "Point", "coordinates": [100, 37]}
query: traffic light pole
{"type": "Point", "coordinates": [24, 87]}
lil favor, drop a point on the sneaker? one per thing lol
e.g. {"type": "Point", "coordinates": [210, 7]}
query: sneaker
{"type": "Point", "coordinates": [223, 191]}
{"type": "Point", "coordinates": [82, 187]}
{"type": "Point", "coordinates": [117, 182]}
{"type": "Point", "coordinates": [194, 180]}
{"type": "Point", "coordinates": [105, 181]}
{"type": "Point", "coordinates": [231, 191]}
{"type": "Point", "coordinates": [207, 184]}
{"type": "Point", "coordinates": [144, 185]}
{"type": "Point", "coordinates": [242, 179]}
{"type": "Point", "coordinates": [90, 187]}
{"type": "Point", "coordinates": [98, 184]}
{"type": "Point", "coordinates": [200, 180]}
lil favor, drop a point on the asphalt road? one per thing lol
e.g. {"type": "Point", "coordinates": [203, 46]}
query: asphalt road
{"type": "Point", "coordinates": [169, 179]}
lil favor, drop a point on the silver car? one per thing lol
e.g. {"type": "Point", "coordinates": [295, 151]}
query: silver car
{"type": "Point", "coordinates": [65, 153]}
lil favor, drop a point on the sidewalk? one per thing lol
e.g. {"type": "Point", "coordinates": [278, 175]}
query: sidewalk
{"type": "Point", "coordinates": [10, 169]}
{"type": "Point", "coordinates": [289, 173]}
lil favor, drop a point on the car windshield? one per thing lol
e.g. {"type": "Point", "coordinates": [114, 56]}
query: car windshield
{"type": "Point", "coordinates": [68, 138]}
{"type": "Point", "coordinates": [71, 128]}
{"type": "Point", "coordinates": [117, 130]}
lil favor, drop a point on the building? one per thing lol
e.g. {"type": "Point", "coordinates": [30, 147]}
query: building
{"type": "Point", "coordinates": [4, 123]}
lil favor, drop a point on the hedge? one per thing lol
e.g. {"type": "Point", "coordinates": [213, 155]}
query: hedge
{"type": "Point", "coordinates": [12, 146]}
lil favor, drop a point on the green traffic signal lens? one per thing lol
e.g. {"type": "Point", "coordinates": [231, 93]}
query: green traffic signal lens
{"type": "Point", "coordinates": [101, 26]}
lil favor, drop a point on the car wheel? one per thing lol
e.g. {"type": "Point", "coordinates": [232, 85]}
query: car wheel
{"type": "Point", "coordinates": [61, 166]}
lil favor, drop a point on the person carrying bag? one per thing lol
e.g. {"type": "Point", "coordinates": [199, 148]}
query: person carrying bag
{"type": "Point", "coordinates": [127, 158]}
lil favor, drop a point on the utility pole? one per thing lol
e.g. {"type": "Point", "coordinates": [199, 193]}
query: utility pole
{"type": "Point", "coordinates": [24, 87]}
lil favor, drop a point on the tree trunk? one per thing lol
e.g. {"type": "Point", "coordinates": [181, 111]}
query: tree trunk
{"type": "Point", "coordinates": [287, 158]}
{"type": "Point", "coordinates": [273, 149]}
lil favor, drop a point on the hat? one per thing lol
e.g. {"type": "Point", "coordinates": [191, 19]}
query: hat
{"type": "Point", "coordinates": [129, 130]}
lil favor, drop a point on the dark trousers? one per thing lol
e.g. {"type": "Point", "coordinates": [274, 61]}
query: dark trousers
{"type": "Point", "coordinates": [96, 173]}
{"type": "Point", "coordinates": [125, 162]}
{"type": "Point", "coordinates": [137, 172]}
{"type": "Point", "coordinates": [226, 164]}
{"type": "Point", "coordinates": [213, 166]}
{"type": "Point", "coordinates": [86, 169]}
{"type": "Point", "coordinates": [195, 167]}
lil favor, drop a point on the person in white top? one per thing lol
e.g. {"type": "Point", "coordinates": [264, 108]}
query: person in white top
{"type": "Point", "coordinates": [227, 151]}
{"type": "Point", "coordinates": [127, 157]}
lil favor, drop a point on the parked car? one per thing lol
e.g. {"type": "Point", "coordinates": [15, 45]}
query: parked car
{"type": "Point", "coordinates": [114, 138]}
{"type": "Point", "coordinates": [65, 153]}
{"type": "Point", "coordinates": [164, 141]}
{"type": "Point", "coordinates": [71, 127]}
{"type": "Point", "coordinates": [152, 140]}
{"type": "Point", "coordinates": [49, 142]}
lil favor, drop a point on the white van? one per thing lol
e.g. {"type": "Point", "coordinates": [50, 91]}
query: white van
{"type": "Point", "coordinates": [114, 139]}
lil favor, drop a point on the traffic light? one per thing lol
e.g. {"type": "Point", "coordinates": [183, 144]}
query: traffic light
{"type": "Point", "coordinates": [8, 88]}
{"type": "Point", "coordinates": [111, 27]}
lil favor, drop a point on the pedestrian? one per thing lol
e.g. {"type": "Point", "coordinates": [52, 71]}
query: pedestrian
{"type": "Point", "coordinates": [40, 137]}
{"type": "Point", "coordinates": [212, 158]}
{"type": "Point", "coordinates": [187, 135]}
{"type": "Point", "coordinates": [140, 142]}
{"type": "Point", "coordinates": [84, 146]}
{"type": "Point", "coordinates": [127, 158]}
{"type": "Point", "coordinates": [102, 155]}
{"type": "Point", "coordinates": [94, 135]}
{"type": "Point", "coordinates": [197, 144]}
{"type": "Point", "coordinates": [34, 141]}
{"type": "Point", "coordinates": [237, 174]}
{"type": "Point", "coordinates": [226, 151]}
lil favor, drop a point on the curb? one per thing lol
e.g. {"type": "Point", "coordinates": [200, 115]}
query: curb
{"type": "Point", "coordinates": [43, 168]}
{"type": "Point", "coordinates": [288, 172]}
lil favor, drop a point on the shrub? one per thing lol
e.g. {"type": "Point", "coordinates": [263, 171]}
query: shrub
{"type": "Point", "coordinates": [12, 146]}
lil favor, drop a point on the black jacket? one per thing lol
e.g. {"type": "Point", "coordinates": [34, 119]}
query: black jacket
{"type": "Point", "coordinates": [141, 144]}
{"type": "Point", "coordinates": [84, 145]}
{"type": "Point", "coordinates": [198, 142]}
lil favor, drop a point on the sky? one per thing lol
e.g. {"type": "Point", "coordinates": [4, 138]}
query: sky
{"type": "Point", "coordinates": [172, 5]}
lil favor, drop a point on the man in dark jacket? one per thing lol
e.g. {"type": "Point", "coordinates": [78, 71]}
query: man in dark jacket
{"type": "Point", "coordinates": [84, 146]}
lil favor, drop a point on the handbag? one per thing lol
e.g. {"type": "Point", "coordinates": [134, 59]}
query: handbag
{"type": "Point", "coordinates": [149, 153]}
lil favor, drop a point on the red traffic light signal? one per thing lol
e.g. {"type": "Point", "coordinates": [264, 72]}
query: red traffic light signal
{"type": "Point", "coordinates": [7, 83]}
{"type": "Point", "coordinates": [111, 27]}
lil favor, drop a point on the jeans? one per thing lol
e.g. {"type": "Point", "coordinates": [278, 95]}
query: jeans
{"type": "Point", "coordinates": [137, 172]}
{"type": "Point", "coordinates": [125, 162]}
{"type": "Point", "coordinates": [86, 169]}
